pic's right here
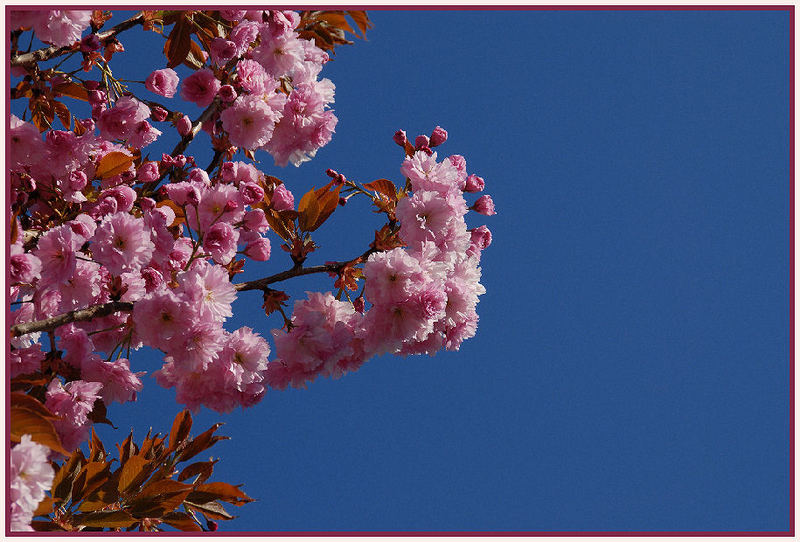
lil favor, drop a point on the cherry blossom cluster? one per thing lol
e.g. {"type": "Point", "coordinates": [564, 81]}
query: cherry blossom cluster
{"type": "Point", "coordinates": [58, 27]}
{"type": "Point", "coordinates": [30, 476]}
{"type": "Point", "coordinates": [257, 112]}
{"type": "Point", "coordinates": [422, 298]}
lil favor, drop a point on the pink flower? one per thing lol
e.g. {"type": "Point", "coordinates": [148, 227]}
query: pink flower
{"type": "Point", "coordinates": [258, 248]}
{"type": "Point", "coordinates": [162, 82]}
{"type": "Point", "coordinates": [23, 267]}
{"type": "Point", "coordinates": [26, 143]}
{"type": "Point", "coordinates": [220, 241]}
{"type": "Point", "coordinates": [252, 77]}
{"type": "Point", "coordinates": [143, 135]}
{"type": "Point", "coordinates": [148, 172]}
{"type": "Point", "coordinates": [480, 238]}
{"type": "Point", "coordinates": [426, 173]}
{"type": "Point", "coordinates": [430, 216]}
{"type": "Point", "coordinates": [484, 205]}
{"type": "Point", "coordinates": [122, 243]}
{"type": "Point", "coordinates": [30, 476]}
{"type": "Point", "coordinates": [119, 383]}
{"type": "Point", "coordinates": [392, 276]}
{"type": "Point", "coordinates": [222, 50]}
{"type": "Point", "coordinates": [279, 54]}
{"type": "Point", "coordinates": [255, 220]}
{"type": "Point", "coordinates": [161, 319]}
{"type": "Point", "coordinates": [56, 250]}
{"type": "Point", "coordinates": [282, 199]}
{"type": "Point", "coordinates": [208, 288]}
{"type": "Point", "coordinates": [72, 403]}
{"type": "Point", "coordinates": [25, 360]}
{"type": "Point", "coordinates": [200, 87]}
{"type": "Point", "coordinates": [243, 34]}
{"type": "Point", "coordinates": [122, 120]}
{"type": "Point", "coordinates": [232, 15]}
{"type": "Point", "coordinates": [249, 122]}
{"type": "Point", "coordinates": [61, 27]}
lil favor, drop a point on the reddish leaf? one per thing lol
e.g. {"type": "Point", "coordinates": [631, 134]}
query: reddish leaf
{"type": "Point", "coordinates": [218, 491]}
{"type": "Point", "coordinates": [308, 209]}
{"type": "Point", "coordinates": [274, 300]}
{"type": "Point", "coordinates": [180, 429]}
{"type": "Point", "coordinates": [112, 164]}
{"type": "Point", "coordinates": [63, 114]}
{"type": "Point", "coordinates": [362, 20]}
{"type": "Point", "coordinates": [45, 506]}
{"type": "Point", "coordinates": [133, 473]}
{"type": "Point", "coordinates": [211, 510]}
{"type": "Point", "coordinates": [201, 442]}
{"type": "Point", "coordinates": [279, 224]}
{"type": "Point", "coordinates": [383, 186]}
{"type": "Point", "coordinates": [24, 400]}
{"type": "Point", "coordinates": [194, 59]}
{"type": "Point", "coordinates": [62, 483]}
{"type": "Point", "coordinates": [178, 42]}
{"type": "Point", "coordinates": [203, 468]}
{"type": "Point", "coordinates": [109, 519]}
{"type": "Point", "coordinates": [327, 205]}
{"type": "Point", "coordinates": [41, 430]}
{"type": "Point", "coordinates": [182, 521]}
{"type": "Point", "coordinates": [73, 90]}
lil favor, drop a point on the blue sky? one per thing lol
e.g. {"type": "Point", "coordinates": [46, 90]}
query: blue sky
{"type": "Point", "coordinates": [630, 370]}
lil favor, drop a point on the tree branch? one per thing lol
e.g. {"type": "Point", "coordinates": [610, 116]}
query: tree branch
{"type": "Point", "coordinates": [81, 315]}
{"type": "Point", "coordinates": [97, 311]}
{"type": "Point", "coordinates": [47, 53]}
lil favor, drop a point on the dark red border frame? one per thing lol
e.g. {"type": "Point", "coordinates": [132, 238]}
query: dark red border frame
{"type": "Point", "coordinates": [789, 533]}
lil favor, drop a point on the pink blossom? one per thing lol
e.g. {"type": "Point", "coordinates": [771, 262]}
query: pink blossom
{"type": "Point", "coordinates": [252, 77]}
{"type": "Point", "coordinates": [222, 50]}
{"type": "Point", "coordinates": [258, 248]}
{"type": "Point", "coordinates": [61, 28]}
{"type": "Point", "coordinates": [393, 276]}
{"type": "Point", "coordinates": [256, 220]}
{"type": "Point", "coordinates": [72, 403]}
{"type": "Point", "coordinates": [122, 243]}
{"type": "Point", "coordinates": [484, 205]}
{"type": "Point", "coordinates": [147, 172]}
{"type": "Point", "coordinates": [143, 135]}
{"type": "Point", "coordinates": [119, 383]}
{"type": "Point", "coordinates": [430, 216]}
{"type": "Point", "coordinates": [227, 93]}
{"type": "Point", "coordinates": [25, 360]}
{"type": "Point", "coordinates": [426, 173]}
{"type": "Point", "coordinates": [23, 267]}
{"type": "Point", "coordinates": [251, 193]}
{"type": "Point", "coordinates": [209, 289]}
{"type": "Point", "coordinates": [161, 319]}
{"type": "Point", "coordinates": [162, 82]}
{"type": "Point", "coordinates": [243, 34]}
{"type": "Point", "coordinates": [232, 15]}
{"type": "Point", "coordinates": [122, 120]}
{"type": "Point", "coordinates": [279, 54]}
{"type": "Point", "coordinates": [25, 143]}
{"type": "Point", "coordinates": [30, 476]}
{"type": "Point", "coordinates": [200, 87]}
{"type": "Point", "coordinates": [220, 242]}
{"type": "Point", "coordinates": [56, 249]}
{"type": "Point", "coordinates": [282, 199]}
{"type": "Point", "coordinates": [480, 238]}
{"type": "Point", "coordinates": [249, 122]}
{"type": "Point", "coordinates": [200, 345]}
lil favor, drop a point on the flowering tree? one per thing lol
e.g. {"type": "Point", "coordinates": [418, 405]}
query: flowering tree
{"type": "Point", "coordinates": [110, 250]}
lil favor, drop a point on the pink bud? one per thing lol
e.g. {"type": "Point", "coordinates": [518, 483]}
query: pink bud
{"type": "Point", "coordinates": [251, 193]}
{"type": "Point", "coordinates": [148, 172]}
{"type": "Point", "coordinates": [227, 93]}
{"type": "Point", "coordinates": [282, 199]}
{"type": "Point", "coordinates": [184, 125]}
{"type": "Point", "coordinates": [474, 184]}
{"type": "Point", "coordinates": [421, 141]}
{"type": "Point", "coordinates": [230, 206]}
{"type": "Point", "coordinates": [342, 202]}
{"type": "Point", "coordinates": [158, 114]}
{"type": "Point", "coordinates": [438, 136]}
{"type": "Point", "coordinates": [229, 171]}
{"type": "Point", "coordinates": [400, 138]}
{"type": "Point", "coordinates": [91, 85]}
{"type": "Point", "coordinates": [481, 237]}
{"type": "Point", "coordinates": [97, 96]}
{"type": "Point", "coordinates": [484, 205]}
{"type": "Point", "coordinates": [358, 305]}
{"type": "Point", "coordinates": [77, 180]}
{"type": "Point", "coordinates": [341, 179]}
{"type": "Point", "coordinates": [331, 173]}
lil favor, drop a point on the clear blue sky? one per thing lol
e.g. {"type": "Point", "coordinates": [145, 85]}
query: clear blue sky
{"type": "Point", "coordinates": [630, 370]}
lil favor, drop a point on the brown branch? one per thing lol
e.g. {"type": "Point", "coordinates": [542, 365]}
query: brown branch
{"type": "Point", "coordinates": [47, 53]}
{"type": "Point", "coordinates": [81, 315]}
{"type": "Point", "coordinates": [97, 311]}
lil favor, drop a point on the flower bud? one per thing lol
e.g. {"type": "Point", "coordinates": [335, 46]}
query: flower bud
{"type": "Point", "coordinates": [184, 125]}
{"type": "Point", "coordinates": [358, 305]}
{"type": "Point", "coordinates": [147, 204]}
{"type": "Point", "coordinates": [251, 193]}
{"type": "Point", "coordinates": [230, 206]}
{"type": "Point", "coordinates": [77, 180]}
{"type": "Point", "coordinates": [474, 184]}
{"type": "Point", "coordinates": [227, 93]}
{"type": "Point", "coordinates": [91, 85]}
{"type": "Point", "coordinates": [421, 141]}
{"type": "Point", "coordinates": [97, 96]}
{"type": "Point", "coordinates": [332, 173]}
{"type": "Point", "coordinates": [228, 171]}
{"type": "Point", "coordinates": [484, 205]}
{"type": "Point", "coordinates": [400, 138]}
{"type": "Point", "coordinates": [438, 136]}
{"type": "Point", "coordinates": [158, 114]}
{"type": "Point", "coordinates": [282, 199]}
